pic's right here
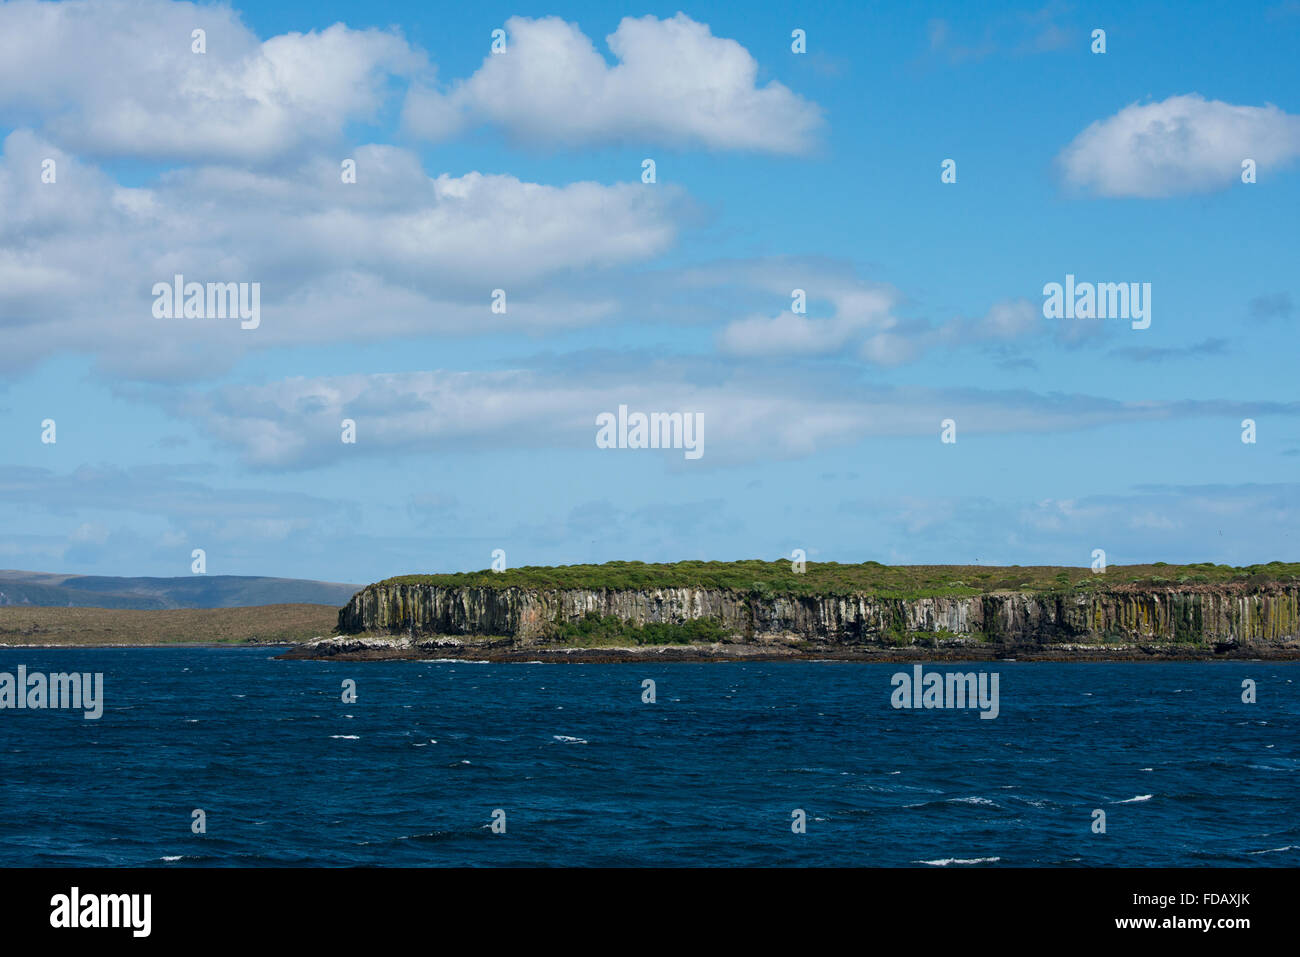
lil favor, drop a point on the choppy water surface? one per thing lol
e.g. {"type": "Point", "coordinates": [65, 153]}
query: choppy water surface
{"type": "Point", "coordinates": [588, 774]}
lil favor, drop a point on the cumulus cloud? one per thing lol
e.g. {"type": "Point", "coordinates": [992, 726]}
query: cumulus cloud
{"type": "Point", "coordinates": [398, 253]}
{"type": "Point", "coordinates": [674, 83]}
{"type": "Point", "coordinates": [1184, 144]}
{"type": "Point", "coordinates": [120, 77]}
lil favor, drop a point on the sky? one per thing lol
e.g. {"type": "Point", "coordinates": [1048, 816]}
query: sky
{"type": "Point", "coordinates": [382, 178]}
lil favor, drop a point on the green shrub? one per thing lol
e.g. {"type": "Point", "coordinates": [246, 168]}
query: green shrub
{"type": "Point", "coordinates": [604, 629]}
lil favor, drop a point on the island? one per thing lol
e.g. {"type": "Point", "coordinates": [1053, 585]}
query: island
{"type": "Point", "coordinates": [763, 610]}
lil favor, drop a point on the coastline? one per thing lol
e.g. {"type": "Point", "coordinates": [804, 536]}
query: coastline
{"type": "Point", "coordinates": [146, 646]}
{"type": "Point", "coordinates": [729, 652]}
{"type": "Point", "coordinates": [341, 648]}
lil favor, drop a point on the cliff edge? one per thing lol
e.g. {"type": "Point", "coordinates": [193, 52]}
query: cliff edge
{"type": "Point", "coordinates": [830, 610]}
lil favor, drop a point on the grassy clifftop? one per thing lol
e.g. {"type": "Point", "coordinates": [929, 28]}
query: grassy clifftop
{"type": "Point", "coordinates": [872, 578]}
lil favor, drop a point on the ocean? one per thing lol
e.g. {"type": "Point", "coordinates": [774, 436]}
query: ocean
{"type": "Point", "coordinates": [575, 768]}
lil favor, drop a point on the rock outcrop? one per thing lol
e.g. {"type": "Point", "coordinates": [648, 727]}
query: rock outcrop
{"type": "Point", "coordinates": [1204, 615]}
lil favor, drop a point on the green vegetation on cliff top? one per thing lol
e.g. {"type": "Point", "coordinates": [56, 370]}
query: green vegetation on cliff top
{"type": "Point", "coordinates": [831, 578]}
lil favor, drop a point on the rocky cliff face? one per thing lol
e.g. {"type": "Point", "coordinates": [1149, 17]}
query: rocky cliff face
{"type": "Point", "coordinates": [1192, 614]}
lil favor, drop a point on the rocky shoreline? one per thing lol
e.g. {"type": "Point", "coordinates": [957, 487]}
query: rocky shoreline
{"type": "Point", "coordinates": [395, 648]}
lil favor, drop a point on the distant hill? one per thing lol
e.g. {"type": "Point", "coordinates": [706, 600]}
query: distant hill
{"type": "Point", "coordinates": [191, 591]}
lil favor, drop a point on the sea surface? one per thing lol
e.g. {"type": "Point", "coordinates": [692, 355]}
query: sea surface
{"type": "Point", "coordinates": [586, 773]}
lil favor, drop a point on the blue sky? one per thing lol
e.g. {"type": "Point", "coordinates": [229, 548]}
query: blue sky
{"type": "Point", "coordinates": [522, 171]}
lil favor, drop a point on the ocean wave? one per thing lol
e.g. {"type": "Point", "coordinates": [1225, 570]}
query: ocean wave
{"type": "Point", "coordinates": [976, 800]}
{"type": "Point", "coordinates": [347, 737]}
{"type": "Point", "coordinates": [429, 836]}
{"type": "Point", "coordinates": [1135, 799]}
{"type": "Point", "coordinates": [945, 861]}
{"type": "Point", "coordinates": [566, 739]}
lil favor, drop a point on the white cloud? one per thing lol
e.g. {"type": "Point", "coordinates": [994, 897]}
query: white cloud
{"type": "Point", "coordinates": [862, 320]}
{"type": "Point", "coordinates": [294, 423]}
{"type": "Point", "coordinates": [789, 334]}
{"type": "Point", "coordinates": [857, 310]}
{"type": "Point", "coordinates": [119, 77]}
{"type": "Point", "coordinates": [675, 83]}
{"type": "Point", "coordinates": [398, 253]}
{"type": "Point", "coordinates": [1009, 319]}
{"type": "Point", "coordinates": [1184, 144]}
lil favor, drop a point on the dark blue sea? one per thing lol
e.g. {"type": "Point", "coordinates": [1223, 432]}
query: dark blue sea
{"type": "Point", "coordinates": [587, 774]}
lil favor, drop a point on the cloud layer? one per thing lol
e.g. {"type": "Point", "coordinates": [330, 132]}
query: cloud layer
{"type": "Point", "coordinates": [397, 253]}
{"type": "Point", "coordinates": [295, 423]}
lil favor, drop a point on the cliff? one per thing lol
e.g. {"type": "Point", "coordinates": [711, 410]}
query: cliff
{"type": "Point", "coordinates": [1243, 610]}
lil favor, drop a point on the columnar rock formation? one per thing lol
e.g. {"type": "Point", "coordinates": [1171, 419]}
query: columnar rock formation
{"type": "Point", "coordinates": [1200, 614]}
